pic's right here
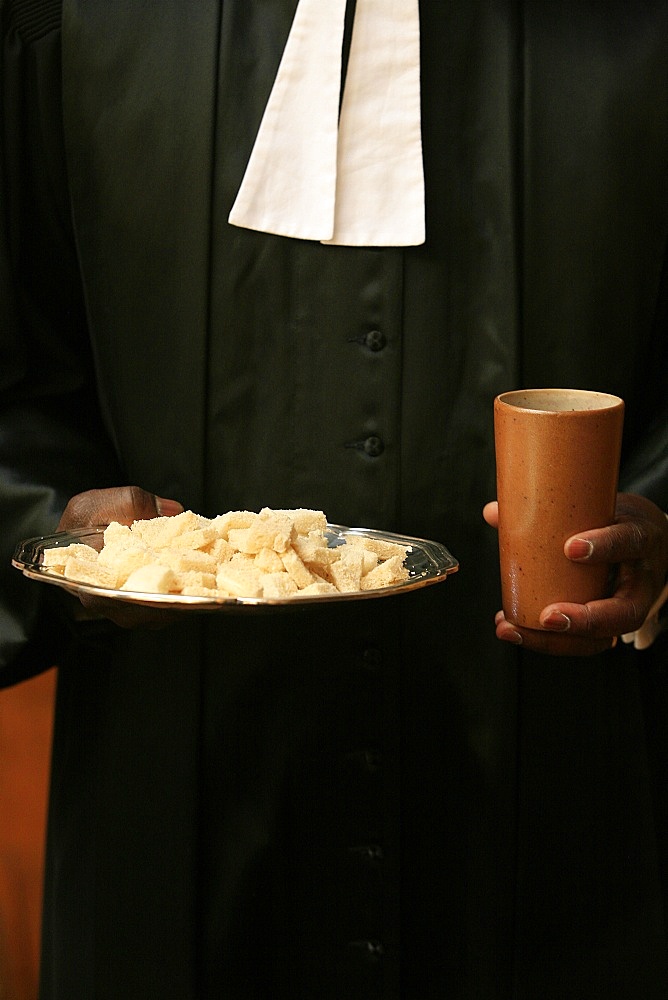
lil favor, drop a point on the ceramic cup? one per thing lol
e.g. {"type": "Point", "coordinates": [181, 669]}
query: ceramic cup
{"type": "Point", "coordinates": [557, 464]}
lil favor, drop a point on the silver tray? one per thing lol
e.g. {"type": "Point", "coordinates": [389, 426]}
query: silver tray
{"type": "Point", "coordinates": [428, 562]}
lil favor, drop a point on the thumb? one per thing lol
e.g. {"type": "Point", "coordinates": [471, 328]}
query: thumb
{"type": "Point", "coordinates": [490, 512]}
{"type": "Point", "coordinates": [124, 504]}
{"type": "Point", "coordinates": [167, 508]}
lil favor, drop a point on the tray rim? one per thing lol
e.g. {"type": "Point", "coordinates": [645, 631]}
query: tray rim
{"type": "Point", "coordinates": [445, 564]}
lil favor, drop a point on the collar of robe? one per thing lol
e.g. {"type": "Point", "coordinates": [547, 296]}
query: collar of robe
{"type": "Point", "coordinates": [341, 170]}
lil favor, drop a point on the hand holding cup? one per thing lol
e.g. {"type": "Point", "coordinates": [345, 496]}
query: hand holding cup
{"type": "Point", "coordinates": [557, 469]}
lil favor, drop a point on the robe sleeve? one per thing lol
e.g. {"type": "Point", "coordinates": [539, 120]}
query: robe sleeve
{"type": "Point", "coordinates": [52, 440]}
{"type": "Point", "coordinates": [645, 467]}
{"type": "Point", "coordinates": [646, 470]}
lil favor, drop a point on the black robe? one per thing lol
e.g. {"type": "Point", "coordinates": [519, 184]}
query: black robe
{"type": "Point", "coordinates": [356, 801]}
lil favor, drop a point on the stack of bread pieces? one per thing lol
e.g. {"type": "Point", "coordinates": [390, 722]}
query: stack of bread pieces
{"type": "Point", "coordinates": [273, 554]}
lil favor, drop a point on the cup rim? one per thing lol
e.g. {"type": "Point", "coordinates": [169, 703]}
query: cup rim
{"type": "Point", "coordinates": [598, 401]}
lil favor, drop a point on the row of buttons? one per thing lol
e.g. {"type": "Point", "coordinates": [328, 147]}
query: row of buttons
{"type": "Point", "coordinates": [375, 341]}
{"type": "Point", "coordinates": [367, 953]}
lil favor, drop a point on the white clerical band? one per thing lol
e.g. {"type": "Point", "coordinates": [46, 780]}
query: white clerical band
{"type": "Point", "coordinates": [354, 178]}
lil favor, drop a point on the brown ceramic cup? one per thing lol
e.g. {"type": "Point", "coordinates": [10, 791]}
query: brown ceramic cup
{"type": "Point", "coordinates": [557, 465]}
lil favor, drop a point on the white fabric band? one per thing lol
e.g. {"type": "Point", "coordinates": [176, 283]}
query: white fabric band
{"type": "Point", "coordinates": [354, 179]}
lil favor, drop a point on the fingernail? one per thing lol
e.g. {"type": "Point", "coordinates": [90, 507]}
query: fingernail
{"type": "Point", "coordinates": [579, 549]}
{"type": "Point", "coordinates": [556, 622]}
{"type": "Point", "coordinates": [513, 637]}
{"type": "Point", "coordinates": [167, 508]}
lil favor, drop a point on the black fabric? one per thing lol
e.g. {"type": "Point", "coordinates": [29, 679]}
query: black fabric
{"type": "Point", "coordinates": [373, 800]}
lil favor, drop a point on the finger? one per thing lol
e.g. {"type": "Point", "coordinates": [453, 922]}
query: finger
{"type": "Point", "coordinates": [550, 643]}
{"type": "Point", "coordinates": [623, 542]}
{"type": "Point", "coordinates": [490, 512]}
{"type": "Point", "coordinates": [622, 612]}
{"type": "Point", "coordinates": [616, 615]}
{"type": "Point", "coordinates": [598, 619]}
{"type": "Point", "coordinates": [123, 504]}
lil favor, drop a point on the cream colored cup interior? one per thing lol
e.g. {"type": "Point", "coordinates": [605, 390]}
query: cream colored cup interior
{"type": "Point", "coordinates": [559, 400]}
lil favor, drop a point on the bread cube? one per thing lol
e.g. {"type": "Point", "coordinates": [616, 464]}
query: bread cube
{"type": "Point", "coordinates": [185, 560]}
{"type": "Point", "coordinates": [56, 558]}
{"type": "Point", "coordinates": [346, 571]}
{"type": "Point", "coordinates": [278, 585]}
{"type": "Point", "coordinates": [223, 523]}
{"type": "Point", "coordinates": [239, 580]}
{"type": "Point", "coordinates": [386, 573]}
{"type": "Point", "coordinates": [296, 568]}
{"type": "Point", "coordinates": [151, 580]}
{"type": "Point", "coordinates": [269, 561]}
{"type": "Point", "coordinates": [88, 571]}
{"type": "Point", "coordinates": [306, 521]}
{"type": "Point", "coordinates": [161, 531]}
